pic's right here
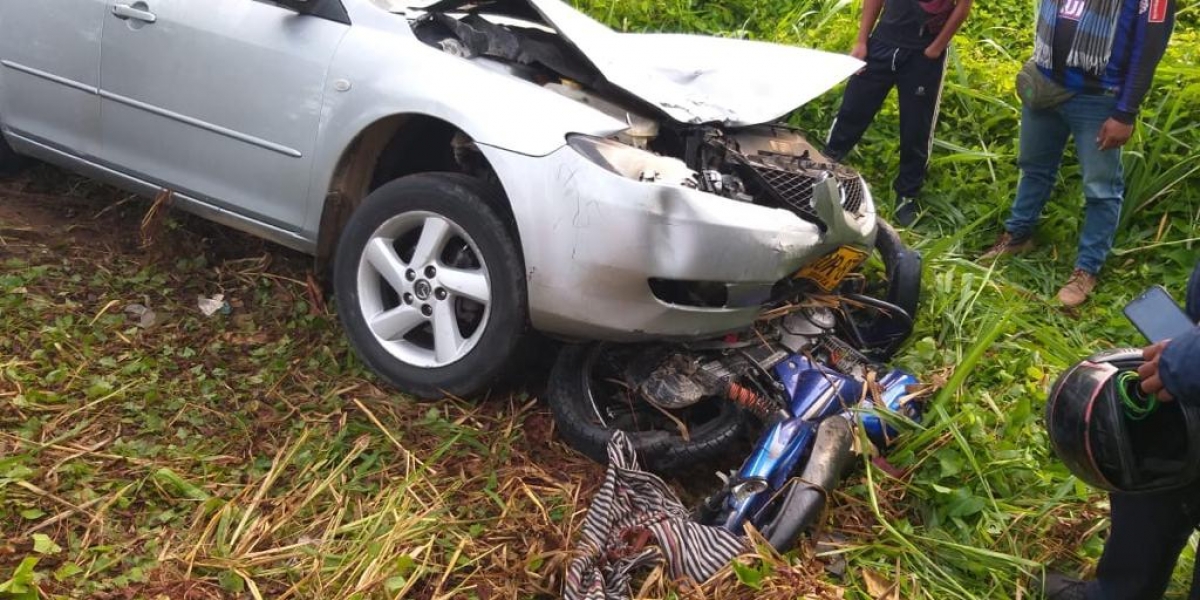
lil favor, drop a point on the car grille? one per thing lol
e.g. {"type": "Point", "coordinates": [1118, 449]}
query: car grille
{"type": "Point", "coordinates": [795, 187]}
{"type": "Point", "coordinates": [852, 194]}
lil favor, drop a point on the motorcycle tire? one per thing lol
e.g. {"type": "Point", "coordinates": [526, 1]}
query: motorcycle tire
{"type": "Point", "coordinates": [880, 329]}
{"type": "Point", "coordinates": [571, 391]}
{"type": "Point", "coordinates": [903, 266]}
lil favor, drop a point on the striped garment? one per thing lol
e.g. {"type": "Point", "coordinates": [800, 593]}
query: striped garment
{"type": "Point", "coordinates": [1093, 41]}
{"type": "Point", "coordinates": [635, 523]}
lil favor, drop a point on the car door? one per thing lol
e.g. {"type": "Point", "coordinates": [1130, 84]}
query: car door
{"type": "Point", "coordinates": [50, 71]}
{"type": "Point", "coordinates": [217, 99]}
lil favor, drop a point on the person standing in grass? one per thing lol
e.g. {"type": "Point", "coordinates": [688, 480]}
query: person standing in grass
{"type": "Point", "coordinates": [1149, 530]}
{"type": "Point", "coordinates": [905, 50]}
{"type": "Point", "coordinates": [1093, 62]}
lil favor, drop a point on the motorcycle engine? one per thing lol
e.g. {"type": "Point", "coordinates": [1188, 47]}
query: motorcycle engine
{"type": "Point", "coordinates": [805, 328]}
{"type": "Point", "coordinates": [682, 381]}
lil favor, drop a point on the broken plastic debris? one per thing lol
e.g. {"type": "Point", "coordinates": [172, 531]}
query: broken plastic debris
{"type": "Point", "coordinates": [211, 306]}
{"type": "Point", "coordinates": [145, 317]}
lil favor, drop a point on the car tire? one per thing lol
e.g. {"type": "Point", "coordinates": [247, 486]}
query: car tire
{"type": "Point", "coordinates": [430, 285]}
{"type": "Point", "coordinates": [570, 391]}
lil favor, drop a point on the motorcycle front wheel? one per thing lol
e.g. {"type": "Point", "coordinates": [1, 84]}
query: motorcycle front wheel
{"type": "Point", "coordinates": [591, 396]}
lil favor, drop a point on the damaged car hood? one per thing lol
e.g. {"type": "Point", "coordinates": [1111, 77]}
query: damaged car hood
{"type": "Point", "coordinates": [691, 78]}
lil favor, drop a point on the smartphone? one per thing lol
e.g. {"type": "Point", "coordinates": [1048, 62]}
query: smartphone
{"type": "Point", "coordinates": [1157, 316]}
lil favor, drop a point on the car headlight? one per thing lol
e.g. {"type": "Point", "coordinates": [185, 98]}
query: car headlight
{"type": "Point", "coordinates": [632, 163]}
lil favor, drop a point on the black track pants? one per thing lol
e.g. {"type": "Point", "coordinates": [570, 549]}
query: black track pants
{"type": "Point", "coordinates": [918, 81]}
{"type": "Point", "coordinates": [1148, 533]}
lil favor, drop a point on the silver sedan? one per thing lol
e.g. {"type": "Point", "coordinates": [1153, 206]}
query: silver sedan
{"type": "Point", "coordinates": [463, 171]}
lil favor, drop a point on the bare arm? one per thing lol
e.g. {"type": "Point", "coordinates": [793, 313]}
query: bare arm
{"type": "Point", "coordinates": [953, 23]}
{"type": "Point", "coordinates": [870, 14]}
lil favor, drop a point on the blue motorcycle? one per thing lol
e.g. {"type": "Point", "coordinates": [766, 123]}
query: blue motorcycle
{"type": "Point", "coordinates": [783, 485]}
{"type": "Point", "coordinates": [800, 386]}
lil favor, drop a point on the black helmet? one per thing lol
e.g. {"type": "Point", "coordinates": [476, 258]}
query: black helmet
{"type": "Point", "coordinates": [1113, 437]}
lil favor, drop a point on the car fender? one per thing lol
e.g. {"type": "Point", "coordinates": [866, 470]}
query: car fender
{"type": "Point", "coordinates": [378, 74]}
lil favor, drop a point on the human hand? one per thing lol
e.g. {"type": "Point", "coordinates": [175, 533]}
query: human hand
{"type": "Point", "coordinates": [1113, 134]}
{"type": "Point", "coordinates": [1152, 384]}
{"type": "Point", "coordinates": [934, 51]}
{"type": "Point", "coordinates": [859, 51]}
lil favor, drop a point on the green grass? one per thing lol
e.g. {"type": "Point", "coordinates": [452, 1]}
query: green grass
{"type": "Point", "coordinates": [241, 454]}
{"type": "Point", "coordinates": [250, 455]}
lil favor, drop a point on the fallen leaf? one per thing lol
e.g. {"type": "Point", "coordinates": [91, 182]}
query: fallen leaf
{"type": "Point", "coordinates": [42, 544]}
{"type": "Point", "coordinates": [878, 587]}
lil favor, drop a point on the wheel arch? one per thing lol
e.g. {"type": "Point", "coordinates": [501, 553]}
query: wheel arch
{"type": "Point", "coordinates": [396, 146]}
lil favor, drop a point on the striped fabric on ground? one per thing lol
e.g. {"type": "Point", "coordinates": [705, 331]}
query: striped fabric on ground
{"type": "Point", "coordinates": [636, 522]}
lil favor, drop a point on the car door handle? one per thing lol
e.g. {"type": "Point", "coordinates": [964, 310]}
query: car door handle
{"type": "Point", "coordinates": [125, 11]}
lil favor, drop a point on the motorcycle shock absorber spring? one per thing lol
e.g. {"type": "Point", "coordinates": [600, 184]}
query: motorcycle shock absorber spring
{"type": "Point", "coordinates": [750, 400]}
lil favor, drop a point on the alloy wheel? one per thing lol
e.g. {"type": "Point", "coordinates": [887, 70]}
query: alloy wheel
{"type": "Point", "coordinates": [424, 289]}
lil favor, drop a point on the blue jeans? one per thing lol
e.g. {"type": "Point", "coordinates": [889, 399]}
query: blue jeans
{"type": "Point", "coordinates": [1043, 139]}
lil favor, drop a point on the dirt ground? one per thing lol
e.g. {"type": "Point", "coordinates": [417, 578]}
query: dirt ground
{"type": "Point", "coordinates": [51, 208]}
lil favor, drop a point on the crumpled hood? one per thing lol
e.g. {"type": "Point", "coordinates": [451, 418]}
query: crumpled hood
{"type": "Point", "coordinates": [696, 78]}
{"type": "Point", "coordinates": [703, 79]}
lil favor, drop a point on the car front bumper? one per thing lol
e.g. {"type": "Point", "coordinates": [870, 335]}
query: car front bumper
{"type": "Point", "coordinates": [593, 241]}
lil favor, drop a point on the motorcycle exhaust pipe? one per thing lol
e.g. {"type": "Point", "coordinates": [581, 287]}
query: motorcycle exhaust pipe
{"type": "Point", "coordinates": [805, 499]}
